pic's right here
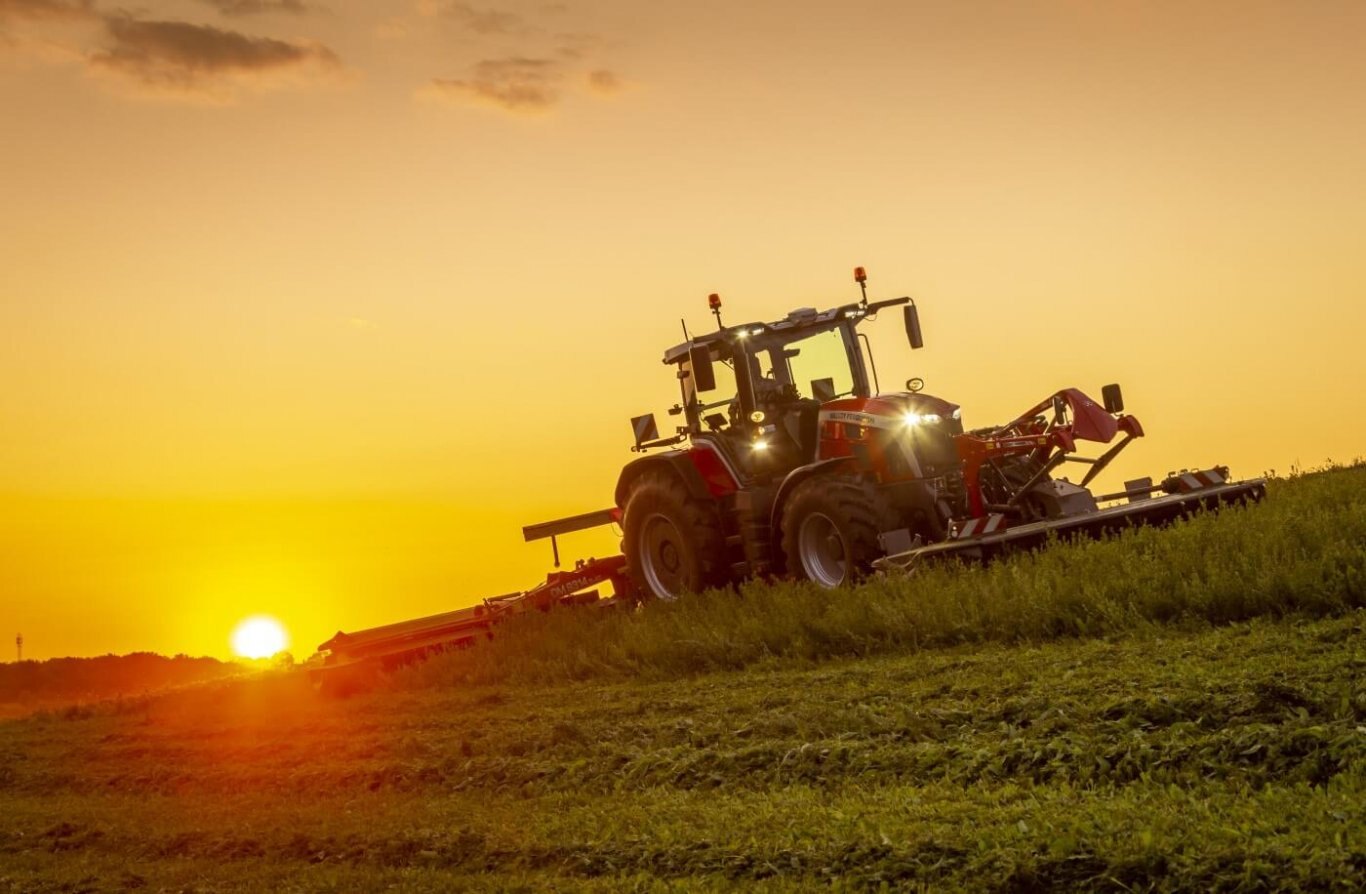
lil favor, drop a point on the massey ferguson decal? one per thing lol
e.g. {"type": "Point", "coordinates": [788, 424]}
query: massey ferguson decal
{"type": "Point", "coordinates": [868, 420]}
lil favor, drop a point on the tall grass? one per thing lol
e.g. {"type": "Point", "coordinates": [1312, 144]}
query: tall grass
{"type": "Point", "coordinates": [1302, 551]}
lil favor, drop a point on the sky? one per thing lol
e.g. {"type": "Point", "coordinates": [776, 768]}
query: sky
{"type": "Point", "coordinates": [308, 307]}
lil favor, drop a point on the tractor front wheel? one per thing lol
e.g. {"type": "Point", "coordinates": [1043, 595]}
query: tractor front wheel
{"type": "Point", "coordinates": [673, 541]}
{"type": "Point", "coordinates": [830, 530]}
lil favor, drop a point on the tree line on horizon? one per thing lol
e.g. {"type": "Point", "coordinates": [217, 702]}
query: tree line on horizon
{"type": "Point", "coordinates": [104, 676]}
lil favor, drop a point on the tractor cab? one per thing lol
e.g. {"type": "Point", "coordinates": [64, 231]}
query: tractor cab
{"type": "Point", "coordinates": [754, 392]}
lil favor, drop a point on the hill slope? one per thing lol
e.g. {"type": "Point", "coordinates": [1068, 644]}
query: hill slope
{"type": "Point", "coordinates": [1146, 749]}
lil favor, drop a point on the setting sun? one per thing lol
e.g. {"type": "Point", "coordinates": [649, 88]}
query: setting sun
{"type": "Point", "coordinates": [259, 637]}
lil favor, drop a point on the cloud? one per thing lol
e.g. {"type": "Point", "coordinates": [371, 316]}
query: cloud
{"type": "Point", "coordinates": [47, 9]}
{"type": "Point", "coordinates": [516, 84]}
{"type": "Point", "coordinates": [235, 8]}
{"type": "Point", "coordinates": [188, 58]}
{"type": "Point", "coordinates": [522, 84]}
{"type": "Point", "coordinates": [487, 21]}
{"type": "Point", "coordinates": [526, 66]}
{"type": "Point", "coordinates": [480, 21]}
{"type": "Point", "coordinates": [46, 31]}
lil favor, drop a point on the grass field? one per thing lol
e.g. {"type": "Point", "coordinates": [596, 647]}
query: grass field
{"type": "Point", "coordinates": [1034, 726]}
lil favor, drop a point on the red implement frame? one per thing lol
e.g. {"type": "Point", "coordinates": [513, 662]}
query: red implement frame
{"type": "Point", "coordinates": [1183, 494]}
{"type": "Point", "coordinates": [1050, 444]}
{"type": "Point", "coordinates": [408, 640]}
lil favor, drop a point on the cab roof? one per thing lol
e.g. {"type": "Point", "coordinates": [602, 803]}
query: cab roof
{"type": "Point", "coordinates": [796, 321]}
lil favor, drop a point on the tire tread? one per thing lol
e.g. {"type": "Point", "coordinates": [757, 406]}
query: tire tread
{"type": "Point", "coordinates": [697, 518]}
{"type": "Point", "coordinates": [853, 504]}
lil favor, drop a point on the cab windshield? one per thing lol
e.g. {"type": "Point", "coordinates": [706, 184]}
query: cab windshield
{"type": "Point", "coordinates": [800, 363]}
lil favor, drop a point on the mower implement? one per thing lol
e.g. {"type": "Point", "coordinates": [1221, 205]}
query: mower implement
{"type": "Point", "coordinates": [394, 644]}
{"type": "Point", "coordinates": [985, 538]}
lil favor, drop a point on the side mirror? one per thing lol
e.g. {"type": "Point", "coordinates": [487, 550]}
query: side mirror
{"type": "Point", "coordinates": [703, 376]}
{"type": "Point", "coordinates": [823, 390]}
{"type": "Point", "coordinates": [645, 429]}
{"type": "Point", "coordinates": [913, 326]}
{"type": "Point", "coordinates": [1114, 400]}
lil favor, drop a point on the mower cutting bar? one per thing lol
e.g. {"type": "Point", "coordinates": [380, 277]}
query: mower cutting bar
{"type": "Point", "coordinates": [448, 629]}
{"type": "Point", "coordinates": [395, 643]}
{"type": "Point", "coordinates": [1156, 511]}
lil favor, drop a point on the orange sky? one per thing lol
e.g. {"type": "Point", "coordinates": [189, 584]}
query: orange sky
{"type": "Point", "coordinates": [309, 306]}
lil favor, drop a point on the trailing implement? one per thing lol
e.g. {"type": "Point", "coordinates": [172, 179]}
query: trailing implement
{"type": "Point", "coordinates": [394, 644]}
{"type": "Point", "coordinates": [790, 460]}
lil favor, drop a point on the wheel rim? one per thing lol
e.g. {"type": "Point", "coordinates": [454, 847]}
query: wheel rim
{"type": "Point", "coordinates": [662, 557]}
{"type": "Point", "coordinates": [822, 551]}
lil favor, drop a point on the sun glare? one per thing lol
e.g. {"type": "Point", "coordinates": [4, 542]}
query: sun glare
{"type": "Point", "coordinates": [259, 637]}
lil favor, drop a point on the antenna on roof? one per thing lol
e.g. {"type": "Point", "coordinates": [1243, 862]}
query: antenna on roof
{"type": "Point", "coordinates": [684, 323]}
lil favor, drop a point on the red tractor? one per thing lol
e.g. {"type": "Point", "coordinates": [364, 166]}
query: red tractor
{"type": "Point", "coordinates": [791, 460]}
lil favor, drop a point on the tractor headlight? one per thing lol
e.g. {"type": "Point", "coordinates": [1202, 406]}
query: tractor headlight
{"type": "Point", "coordinates": [912, 419]}
{"type": "Point", "coordinates": [760, 446]}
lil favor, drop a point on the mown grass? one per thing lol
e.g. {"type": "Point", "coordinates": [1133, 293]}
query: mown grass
{"type": "Point", "coordinates": [1299, 552]}
{"type": "Point", "coordinates": [1231, 759]}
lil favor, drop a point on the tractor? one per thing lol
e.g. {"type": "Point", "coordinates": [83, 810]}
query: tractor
{"type": "Point", "coordinates": [791, 460]}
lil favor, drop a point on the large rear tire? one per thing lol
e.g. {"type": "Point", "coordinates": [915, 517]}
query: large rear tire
{"type": "Point", "coordinates": [830, 530]}
{"type": "Point", "coordinates": [673, 541]}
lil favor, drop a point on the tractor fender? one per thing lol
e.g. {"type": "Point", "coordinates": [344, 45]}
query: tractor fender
{"type": "Point", "coordinates": [675, 461]}
{"type": "Point", "coordinates": [796, 477]}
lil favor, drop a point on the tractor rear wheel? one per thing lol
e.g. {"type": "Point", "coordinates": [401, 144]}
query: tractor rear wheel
{"type": "Point", "coordinates": [830, 530]}
{"type": "Point", "coordinates": [673, 541]}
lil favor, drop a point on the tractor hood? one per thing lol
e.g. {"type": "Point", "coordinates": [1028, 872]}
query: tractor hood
{"type": "Point", "coordinates": [907, 434]}
{"type": "Point", "coordinates": [896, 410]}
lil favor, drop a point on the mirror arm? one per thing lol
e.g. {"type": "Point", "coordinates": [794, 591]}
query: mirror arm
{"type": "Point", "coordinates": [889, 302]}
{"type": "Point", "coordinates": [662, 442]}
